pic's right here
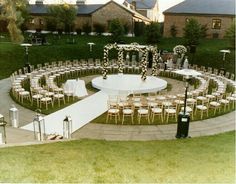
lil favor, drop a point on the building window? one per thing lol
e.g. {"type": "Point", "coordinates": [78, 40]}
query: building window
{"type": "Point", "coordinates": [216, 23]}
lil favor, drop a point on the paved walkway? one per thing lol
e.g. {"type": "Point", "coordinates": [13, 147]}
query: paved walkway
{"type": "Point", "coordinates": [109, 132]}
{"type": "Point", "coordinates": [212, 126]}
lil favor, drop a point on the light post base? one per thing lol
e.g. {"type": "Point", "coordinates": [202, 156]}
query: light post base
{"type": "Point", "coordinates": [183, 125]}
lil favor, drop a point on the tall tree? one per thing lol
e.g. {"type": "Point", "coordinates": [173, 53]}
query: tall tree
{"type": "Point", "coordinates": [12, 13]}
{"type": "Point", "coordinates": [192, 32]}
{"type": "Point", "coordinates": [230, 34]}
{"type": "Point", "coordinates": [153, 33]}
{"type": "Point", "coordinates": [64, 16]}
{"type": "Point", "coordinates": [117, 30]}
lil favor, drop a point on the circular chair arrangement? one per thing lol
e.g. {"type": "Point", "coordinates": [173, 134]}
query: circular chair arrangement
{"type": "Point", "coordinates": [44, 91]}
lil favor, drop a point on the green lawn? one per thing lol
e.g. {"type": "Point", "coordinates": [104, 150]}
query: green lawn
{"type": "Point", "coordinates": [12, 55]}
{"type": "Point", "coordinates": [196, 160]}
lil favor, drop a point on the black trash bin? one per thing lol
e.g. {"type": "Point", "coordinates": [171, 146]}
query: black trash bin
{"type": "Point", "coordinates": [183, 125]}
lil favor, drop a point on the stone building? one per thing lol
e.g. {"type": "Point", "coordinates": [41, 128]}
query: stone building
{"type": "Point", "coordinates": [217, 15]}
{"type": "Point", "coordinates": [89, 14]}
{"type": "Point", "coordinates": [148, 8]}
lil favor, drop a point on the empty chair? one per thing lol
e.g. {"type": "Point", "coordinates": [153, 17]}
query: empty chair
{"type": "Point", "coordinates": [157, 111]}
{"type": "Point", "coordinates": [202, 108]}
{"type": "Point", "coordinates": [113, 111]}
{"type": "Point", "coordinates": [224, 103]}
{"type": "Point", "coordinates": [128, 111]}
{"type": "Point", "coordinates": [24, 95]}
{"type": "Point", "coordinates": [170, 111]}
{"type": "Point", "coordinates": [143, 111]}
{"type": "Point", "coordinates": [46, 101]}
{"type": "Point", "coordinates": [59, 97]}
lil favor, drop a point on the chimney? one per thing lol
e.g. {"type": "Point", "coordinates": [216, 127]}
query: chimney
{"type": "Point", "coordinates": [39, 2]}
{"type": "Point", "coordinates": [134, 4]}
{"type": "Point", "coordinates": [80, 2]}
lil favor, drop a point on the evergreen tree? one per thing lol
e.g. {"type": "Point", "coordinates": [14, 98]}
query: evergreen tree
{"type": "Point", "coordinates": [192, 32]}
{"type": "Point", "coordinates": [153, 33]}
{"type": "Point", "coordinates": [230, 34]}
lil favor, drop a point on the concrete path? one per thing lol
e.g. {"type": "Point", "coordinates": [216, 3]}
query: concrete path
{"type": "Point", "coordinates": [212, 126]}
{"type": "Point", "coordinates": [109, 132]}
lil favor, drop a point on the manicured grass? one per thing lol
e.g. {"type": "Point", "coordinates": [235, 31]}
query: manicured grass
{"type": "Point", "coordinates": [12, 55]}
{"type": "Point", "coordinates": [196, 160]}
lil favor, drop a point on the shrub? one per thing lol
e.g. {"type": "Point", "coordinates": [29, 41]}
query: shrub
{"type": "Point", "coordinates": [51, 23]}
{"type": "Point", "coordinates": [152, 33]}
{"type": "Point", "coordinates": [173, 30]}
{"type": "Point", "coordinates": [86, 28]}
{"type": "Point", "coordinates": [139, 28]}
{"type": "Point", "coordinates": [99, 28]}
{"type": "Point", "coordinates": [192, 32]}
{"type": "Point", "coordinates": [117, 30]}
{"type": "Point", "coordinates": [204, 31]}
{"type": "Point", "coordinates": [126, 28]}
{"type": "Point", "coordinates": [230, 34]}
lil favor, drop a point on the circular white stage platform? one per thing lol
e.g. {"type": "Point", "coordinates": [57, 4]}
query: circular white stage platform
{"type": "Point", "coordinates": [128, 84]}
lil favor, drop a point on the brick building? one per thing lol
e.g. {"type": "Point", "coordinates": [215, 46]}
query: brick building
{"type": "Point", "coordinates": [217, 15]}
{"type": "Point", "coordinates": [89, 14]}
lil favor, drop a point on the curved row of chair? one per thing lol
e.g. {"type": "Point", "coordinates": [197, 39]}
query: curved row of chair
{"type": "Point", "coordinates": [43, 80]}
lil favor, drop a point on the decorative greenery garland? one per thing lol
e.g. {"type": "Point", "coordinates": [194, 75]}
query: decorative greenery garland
{"type": "Point", "coordinates": [155, 62]}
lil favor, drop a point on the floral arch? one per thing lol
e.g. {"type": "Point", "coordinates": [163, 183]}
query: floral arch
{"type": "Point", "coordinates": [145, 49]}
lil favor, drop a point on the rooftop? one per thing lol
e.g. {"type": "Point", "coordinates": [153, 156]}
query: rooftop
{"type": "Point", "coordinates": [216, 7]}
{"type": "Point", "coordinates": [82, 10]}
{"type": "Point", "coordinates": [144, 4]}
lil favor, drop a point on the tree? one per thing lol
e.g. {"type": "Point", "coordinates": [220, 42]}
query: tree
{"type": "Point", "coordinates": [230, 34]}
{"type": "Point", "coordinates": [64, 15]}
{"type": "Point", "coordinates": [152, 33]}
{"type": "Point", "coordinates": [204, 31]}
{"type": "Point", "coordinates": [12, 11]}
{"type": "Point", "coordinates": [117, 30]}
{"type": "Point", "coordinates": [99, 28]}
{"type": "Point", "coordinates": [173, 30]}
{"type": "Point", "coordinates": [192, 32]}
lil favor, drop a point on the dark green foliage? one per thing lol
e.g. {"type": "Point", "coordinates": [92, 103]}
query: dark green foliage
{"type": "Point", "coordinates": [99, 28]}
{"type": "Point", "coordinates": [204, 31]}
{"type": "Point", "coordinates": [139, 28]}
{"type": "Point", "coordinates": [152, 33]}
{"type": "Point", "coordinates": [64, 16]}
{"type": "Point", "coordinates": [51, 23]}
{"type": "Point", "coordinates": [173, 30]}
{"type": "Point", "coordinates": [230, 34]}
{"type": "Point", "coordinates": [12, 55]}
{"type": "Point", "coordinates": [117, 30]}
{"type": "Point", "coordinates": [126, 28]}
{"type": "Point", "coordinates": [192, 32]}
{"type": "Point", "coordinates": [86, 28]}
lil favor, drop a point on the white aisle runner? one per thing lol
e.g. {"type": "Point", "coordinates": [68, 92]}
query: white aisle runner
{"type": "Point", "coordinates": [81, 113]}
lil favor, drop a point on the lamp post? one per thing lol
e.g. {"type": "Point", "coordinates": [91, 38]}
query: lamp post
{"type": "Point", "coordinates": [39, 126]}
{"type": "Point", "coordinates": [184, 117]}
{"type": "Point", "coordinates": [26, 62]}
{"type": "Point", "coordinates": [224, 54]}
